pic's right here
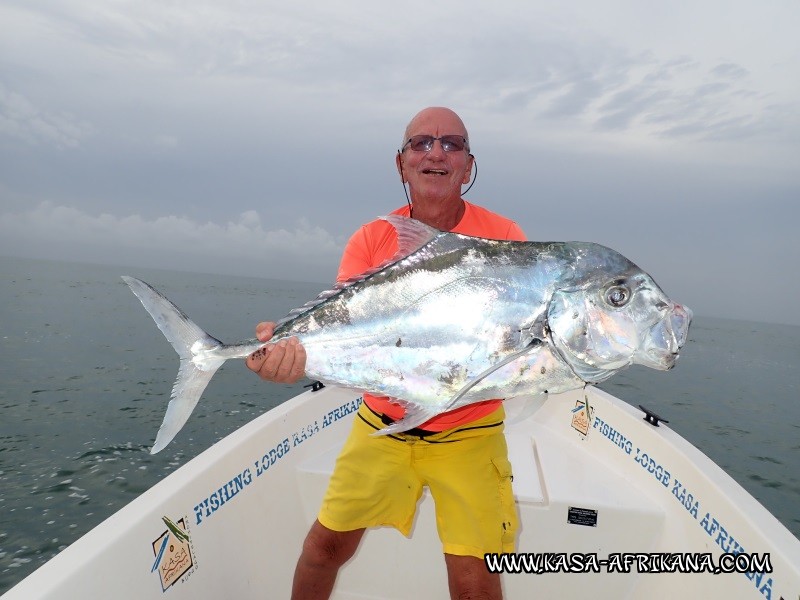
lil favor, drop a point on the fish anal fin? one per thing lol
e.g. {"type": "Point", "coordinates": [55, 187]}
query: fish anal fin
{"type": "Point", "coordinates": [531, 404]}
{"type": "Point", "coordinates": [415, 416]}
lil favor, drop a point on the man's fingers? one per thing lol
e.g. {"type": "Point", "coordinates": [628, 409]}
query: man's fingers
{"type": "Point", "coordinates": [299, 367]}
{"type": "Point", "coordinates": [272, 361]}
{"type": "Point", "coordinates": [288, 365]}
{"type": "Point", "coordinates": [264, 330]}
{"type": "Point", "coordinates": [283, 362]}
{"type": "Point", "coordinates": [256, 360]}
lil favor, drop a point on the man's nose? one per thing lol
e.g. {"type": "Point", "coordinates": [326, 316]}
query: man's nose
{"type": "Point", "coordinates": [437, 149]}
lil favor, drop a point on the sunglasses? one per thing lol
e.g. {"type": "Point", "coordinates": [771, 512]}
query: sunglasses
{"type": "Point", "coordinates": [424, 143]}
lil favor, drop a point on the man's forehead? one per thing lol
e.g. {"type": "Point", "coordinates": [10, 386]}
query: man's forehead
{"type": "Point", "coordinates": [436, 121]}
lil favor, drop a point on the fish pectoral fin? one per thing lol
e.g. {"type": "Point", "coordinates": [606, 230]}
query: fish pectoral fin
{"type": "Point", "coordinates": [414, 417]}
{"type": "Point", "coordinates": [536, 330]}
{"type": "Point", "coordinates": [532, 346]}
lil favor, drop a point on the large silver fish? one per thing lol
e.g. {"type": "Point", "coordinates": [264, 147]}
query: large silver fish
{"type": "Point", "coordinates": [452, 321]}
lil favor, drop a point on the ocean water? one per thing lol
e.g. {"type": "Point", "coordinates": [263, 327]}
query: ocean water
{"type": "Point", "coordinates": [85, 377]}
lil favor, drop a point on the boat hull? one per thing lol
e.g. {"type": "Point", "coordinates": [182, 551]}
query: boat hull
{"type": "Point", "coordinates": [601, 482]}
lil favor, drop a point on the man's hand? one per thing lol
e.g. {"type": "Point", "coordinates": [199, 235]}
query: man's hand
{"type": "Point", "coordinates": [284, 362]}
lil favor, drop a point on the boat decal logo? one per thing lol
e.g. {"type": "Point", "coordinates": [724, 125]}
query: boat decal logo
{"type": "Point", "coordinates": [582, 416]}
{"type": "Point", "coordinates": [174, 559]}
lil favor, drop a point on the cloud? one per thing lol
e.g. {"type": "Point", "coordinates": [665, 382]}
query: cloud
{"type": "Point", "coordinates": [236, 64]}
{"type": "Point", "coordinates": [22, 119]}
{"type": "Point", "coordinates": [675, 99]}
{"type": "Point", "coordinates": [306, 252]}
{"type": "Point", "coordinates": [729, 71]}
{"type": "Point", "coordinates": [584, 119]}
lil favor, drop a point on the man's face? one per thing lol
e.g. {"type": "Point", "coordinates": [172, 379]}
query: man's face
{"type": "Point", "coordinates": [436, 175]}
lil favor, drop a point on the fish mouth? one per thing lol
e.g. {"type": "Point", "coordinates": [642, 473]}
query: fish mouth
{"type": "Point", "coordinates": [666, 338]}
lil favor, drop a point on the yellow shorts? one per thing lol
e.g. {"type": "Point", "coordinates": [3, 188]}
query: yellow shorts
{"type": "Point", "coordinates": [377, 481]}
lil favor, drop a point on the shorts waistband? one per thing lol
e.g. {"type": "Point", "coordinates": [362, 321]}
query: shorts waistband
{"type": "Point", "coordinates": [417, 434]}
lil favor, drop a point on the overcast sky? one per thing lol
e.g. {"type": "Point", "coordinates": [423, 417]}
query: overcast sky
{"type": "Point", "coordinates": [253, 137]}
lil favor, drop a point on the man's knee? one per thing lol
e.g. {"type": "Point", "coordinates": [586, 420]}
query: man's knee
{"type": "Point", "coordinates": [469, 579]}
{"type": "Point", "coordinates": [324, 547]}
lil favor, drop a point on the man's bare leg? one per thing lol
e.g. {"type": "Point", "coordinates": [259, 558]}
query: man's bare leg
{"type": "Point", "coordinates": [469, 579]}
{"type": "Point", "coordinates": [324, 552]}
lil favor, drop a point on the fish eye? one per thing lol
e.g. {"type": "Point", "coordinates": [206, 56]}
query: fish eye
{"type": "Point", "coordinates": [617, 295]}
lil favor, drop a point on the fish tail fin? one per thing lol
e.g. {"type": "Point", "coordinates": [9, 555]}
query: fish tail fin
{"type": "Point", "coordinates": [192, 345]}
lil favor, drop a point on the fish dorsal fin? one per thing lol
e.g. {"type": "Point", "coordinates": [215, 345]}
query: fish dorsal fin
{"type": "Point", "coordinates": [411, 236]}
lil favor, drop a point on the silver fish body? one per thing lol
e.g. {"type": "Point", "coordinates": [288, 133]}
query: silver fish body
{"type": "Point", "coordinates": [457, 320]}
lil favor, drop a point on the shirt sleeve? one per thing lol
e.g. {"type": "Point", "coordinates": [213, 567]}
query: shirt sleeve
{"type": "Point", "coordinates": [355, 258]}
{"type": "Point", "coordinates": [369, 247]}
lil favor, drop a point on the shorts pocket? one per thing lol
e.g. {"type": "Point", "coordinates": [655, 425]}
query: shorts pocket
{"type": "Point", "coordinates": [508, 508]}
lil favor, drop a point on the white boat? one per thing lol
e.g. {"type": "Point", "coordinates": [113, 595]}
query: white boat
{"type": "Point", "coordinates": [596, 487]}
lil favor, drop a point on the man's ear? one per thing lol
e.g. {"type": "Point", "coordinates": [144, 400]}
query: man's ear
{"type": "Point", "coordinates": [468, 172]}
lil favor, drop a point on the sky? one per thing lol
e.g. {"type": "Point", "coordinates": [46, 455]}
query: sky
{"type": "Point", "coordinates": [252, 138]}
